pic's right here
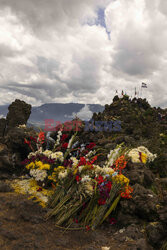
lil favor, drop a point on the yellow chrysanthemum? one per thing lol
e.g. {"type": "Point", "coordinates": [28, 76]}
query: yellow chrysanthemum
{"type": "Point", "coordinates": [46, 166]}
{"type": "Point", "coordinates": [59, 168]}
{"type": "Point", "coordinates": [121, 179]}
{"type": "Point", "coordinates": [143, 157]}
{"type": "Point", "coordinates": [39, 164]}
{"type": "Point", "coordinates": [30, 165]}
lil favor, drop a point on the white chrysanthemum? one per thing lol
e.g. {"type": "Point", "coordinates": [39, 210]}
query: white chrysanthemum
{"type": "Point", "coordinates": [63, 174]}
{"type": "Point", "coordinates": [31, 155]}
{"type": "Point", "coordinates": [38, 174]}
{"type": "Point", "coordinates": [58, 156]}
{"type": "Point", "coordinates": [47, 153]}
{"type": "Point", "coordinates": [134, 154]}
{"type": "Point", "coordinates": [107, 170]}
{"type": "Point", "coordinates": [86, 178]}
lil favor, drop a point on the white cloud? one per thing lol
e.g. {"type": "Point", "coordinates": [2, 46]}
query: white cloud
{"type": "Point", "coordinates": [84, 114]}
{"type": "Point", "coordinates": [50, 53]}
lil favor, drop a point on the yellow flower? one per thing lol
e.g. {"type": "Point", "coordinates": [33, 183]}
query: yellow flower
{"type": "Point", "coordinates": [39, 164]}
{"type": "Point", "coordinates": [121, 179]}
{"type": "Point", "coordinates": [143, 157]}
{"type": "Point", "coordinates": [75, 171]}
{"type": "Point", "coordinates": [30, 165]}
{"type": "Point", "coordinates": [59, 168]}
{"type": "Point", "coordinates": [50, 177]}
{"type": "Point", "coordinates": [46, 166]}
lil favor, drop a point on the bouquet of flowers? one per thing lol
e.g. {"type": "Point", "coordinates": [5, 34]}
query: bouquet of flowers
{"type": "Point", "coordinates": [83, 191]}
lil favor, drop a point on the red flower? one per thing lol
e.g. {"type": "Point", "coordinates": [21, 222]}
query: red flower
{"type": "Point", "coordinates": [94, 159]}
{"type": "Point", "coordinates": [64, 137]}
{"type": "Point", "coordinates": [78, 178]}
{"type": "Point", "coordinates": [101, 201]}
{"type": "Point", "coordinates": [27, 142]}
{"type": "Point", "coordinates": [82, 161]}
{"type": "Point", "coordinates": [91, 145]}
{"type": "Point", "coordinates": [33, 139]}
{"type": "Point", "coordinates": [65, 145]}
{"type": "Point", "coordinates": [39, 189]}
{"type": "Point", "coordinates": [112, 221]}
{"type": "Point", "coordinates": [87, 228]}
{"type": "Point", "coordinates": [41, 137]}
{"type": "Point", "coordinates": [100, 179]}
{"type": "Point", "coordinates": [75, 220]}
{"type": "Point", "coordinates": [109, 185]}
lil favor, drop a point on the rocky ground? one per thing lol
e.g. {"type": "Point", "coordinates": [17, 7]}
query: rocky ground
{"type": "Point", "coordinates": [141, 221]}
{"type": "Point", "coordinates": [23, 226]}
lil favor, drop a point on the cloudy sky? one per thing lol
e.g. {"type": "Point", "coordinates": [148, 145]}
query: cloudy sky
{"type": "Point", "coordinates": [82, 51]}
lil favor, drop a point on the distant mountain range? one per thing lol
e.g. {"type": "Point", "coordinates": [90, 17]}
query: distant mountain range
{"type": "Point", "coordinates": [58, 111]}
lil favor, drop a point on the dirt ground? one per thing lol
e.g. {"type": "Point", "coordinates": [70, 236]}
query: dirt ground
{"type": "Point", "coordinates": [22, 226]}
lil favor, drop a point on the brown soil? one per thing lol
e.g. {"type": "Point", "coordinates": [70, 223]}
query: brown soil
{"type": "Point", "coordinates": [22, 226]}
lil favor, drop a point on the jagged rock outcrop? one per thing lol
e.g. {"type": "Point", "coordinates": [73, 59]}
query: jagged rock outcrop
{"type": "Point", "coordinates": [19, 112]}
{"type": "Point", "coordinates": [12, 147]}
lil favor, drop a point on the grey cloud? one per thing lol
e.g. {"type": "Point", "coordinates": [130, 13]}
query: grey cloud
{"type": "Point", "coordinates": [6, 51]}
{"type": "Point", "coordinates": [62, 58]}
{"type": "Point", "coordinates": [135, 53]}
{"type": "Point", "coordinates": [41, 15]}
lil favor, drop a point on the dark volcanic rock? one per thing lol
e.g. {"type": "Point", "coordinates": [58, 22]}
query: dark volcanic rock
{"type": "Point", "coordinates": [2, 126]}
{"type": "Point", "coordinates": [139, 173]}
{"type": "Point", "coordinates": [156, 233]}
{"type": "Point", "coordinates": [18, 114]}
{"type": "Point", "coordinates": [143, 204]}
{"type": "Point", "coordinates": [13, 151]}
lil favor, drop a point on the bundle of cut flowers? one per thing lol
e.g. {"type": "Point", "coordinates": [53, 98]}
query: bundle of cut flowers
{"type": "Point", "coordinates": [83, 191]}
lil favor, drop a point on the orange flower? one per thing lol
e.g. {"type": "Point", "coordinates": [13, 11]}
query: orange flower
{"type": "Point", "coordinates": [127, 193]}
{"type": "Point", "coordinates": [120, 163]}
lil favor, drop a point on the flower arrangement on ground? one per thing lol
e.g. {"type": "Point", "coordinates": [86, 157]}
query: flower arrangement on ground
{"type": "Point", "coordinates": [82, 191]}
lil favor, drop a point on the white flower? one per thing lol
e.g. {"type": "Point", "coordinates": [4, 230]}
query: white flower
{"type": "Point", "coordinates": [134, 154]}
{"type": "Point", "coordinates": [88, 188]}
{"type": "Point", "coordinates": [47, 153]}
{"type": "Point", "coordinates": [91, 153]}
{"type": "Point", "coordinates": [70, 142]}
{"type": "Point", "coordinates": [80, 168]}
{"type": "Point", "coordinates": [59, 134]}
{"type": "Point", "coordinates": [38, 174]}
{"type": "Point", "coordinates": [63, 174]}
{"type": "Point", "coordinates": [107, 170]}
{"type": "Point", "coordinates": [98, 170]}
{"type": "Point", "coordinates": [57, 156]}
{"type": "Point", "coordinates": [86, 178]}
{"type": "Point", "coordinates": [22, 126]}
{"type": "Point", "coordinates": [113, 155]}
{"type": "Point", "coordinates": [75, 161]}
{"type": "Point", "coordinates": [31, 155]}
